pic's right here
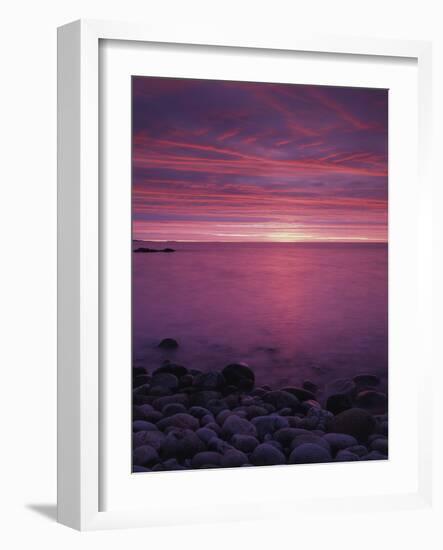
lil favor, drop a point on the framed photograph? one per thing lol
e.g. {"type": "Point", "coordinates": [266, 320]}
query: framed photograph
{"type": "Point", "coordinates": [243, 254]}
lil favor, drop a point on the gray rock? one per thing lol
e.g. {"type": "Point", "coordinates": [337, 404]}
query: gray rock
{"type": "Point", "coordinates": [267, 455]}
{"type": "Point", "coordinates": [338, 442]}
{"type": "Point", "coordinates": [310, 386]}
{"type": "Point", "coordinates": [138, 469]}
{"type": "Point", "coordinates": [172, 368]}
{"type": "Point", "coordinates": [219, 445]}
{"type": "Point", "coordinates": [236, 425]}
{"type": "Point", "coordinates": [144, 456]}
{"type": "Point", "coordinates": [179, 420]}
{"type": "Point", "coordinates": [206, 458]}
{"type": "Point", "coordinates": [255, 410]}
{"type": "Point", "coordinates": [222, 416]}
{"type": "Point", "coordinates": [172, 464]}
{"type": "Point", "coordinates": [269, 424]}
{"type": "Point", "coordinates": [207, 419]}
{"type": "Point", "coordinates": [309, 453]}
{"type": "Point", "coordinates": [234, 458]}
{"type": "Point", "coordinates": [143, 425]}
{"type": "Point", "coordinates": [245, 443]}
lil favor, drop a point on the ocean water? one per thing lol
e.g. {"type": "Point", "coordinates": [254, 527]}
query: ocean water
{"type": "Point", "coordinates": [292, 311]}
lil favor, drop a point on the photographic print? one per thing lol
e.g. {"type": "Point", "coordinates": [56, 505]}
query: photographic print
{"type": "Point", "coordinates": [259, 274]}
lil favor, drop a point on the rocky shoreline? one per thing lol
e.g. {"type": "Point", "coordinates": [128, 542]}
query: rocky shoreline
{"type": "Point", "coordinates": [187, 419]}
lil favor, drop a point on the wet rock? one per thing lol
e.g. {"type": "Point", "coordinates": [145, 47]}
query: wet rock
{"type": "Point", "coordinates": [281, 399]}
{"type": "Point", "coordinates": [209, 381]}
{"type": "Point", "coordinates": [143, 425]}
{"type": "Point", "coordinates": [356, 422]}
{"type": "Point", "coordinates": [346, 456]}
{"type": "Point", "coordinates": [301, 394]}
{"type": "Point", "coordinates": [144, 456]}
{"type": "Point", "coordinates": [239, 375]}
{"type": "Point", "coordinates": [235, 425]}
{"type": "Point", "coordinates": [234, 458]}
{"type": "Point", "coordinates": [245, 443]}
{"type": "Point", "coordinates": [212, 426]}
{"type": "Point", "coordinates": [216, 406]}
{"type": "Point", "coordinates": [206, 458]}
{"type": "Point", "coordinates": [168, 343]}
{"type": "Point", "coordinates": [152, 438]}
{"type": "Point", "coordinates": [173, 408]}
{"type": "Point", "coordinates": [181, 444]}
{"type": "Point", "coordinates": [373, 401]}
{"type": "Point", "coordinates": [309, 453]}
{"type": "Point", "coordinates": [179, 420]}
{"type": "Point", "coordinates": [338, 402]}
{"type": "Point", "coordinates": [338, 442]}
{"type": "Point", "coordinates": [269, 424]}
{"type": "Point", "coordinates": [267, 455]}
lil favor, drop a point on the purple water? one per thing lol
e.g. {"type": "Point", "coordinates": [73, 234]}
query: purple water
{"type": "Point", "coordinates": [290, 310]}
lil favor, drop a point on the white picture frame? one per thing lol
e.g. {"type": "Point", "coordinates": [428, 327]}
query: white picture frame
{"type": "Point", "coordinates": [80, 261]}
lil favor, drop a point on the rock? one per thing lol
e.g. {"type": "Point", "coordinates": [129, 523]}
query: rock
{"type": "Point", "coordinates": [234, 458]}
{"type": "Point", "coordinates": [255, 410]}
{"type": "Point", "coordinates": [366, 380]}
{"type": "Point", "coordinates": [380, 445]}
{"type": "Point", "coordinates": [216, 406]}
{"type": "Point", "coordinates": [309, 453]}
{"type": "Point", "coordinates": [311, 403]}
{"type": "Point", "coordinates": [235, 425]}
{"type": "Point", "coordinates": [153, 416]}
{"type": "Point", "coordinates": [181, 444]}
{"type": "Point", "coordinates": [140, 411]}
{"type": "Point", "coordinates": [245, 443]}
{"type": "Point", "coordinates": [206, 434]}
{"type": "Point", "coordinates": [202, 398]}
{"type": "Point", "coordinates": [267, 455]}
{"type": "Point", "coordinates": [346, 456]}
{"type": "Point", "coordinates": [168, 343]}
{"type": "Point", "coordinates": [152, 438]}
{"type": "Point", "coordinates": [144, 456]}
{"type": "Point", "coordinates": [144, 389]}
{"type": "Point", "coordinates": [206, 458]}
{"type": "Point", "coordinates": [165, 380]}
{"type": "Point", "coordinates": [301, 394]}
{"type": "Point", "coordinates": [141, 380]}
{"type": "Point", "coordinates": [281, 399]}
{"type": "Point", "coordinates": [356, 422]}
{"type": "Point", "coordinates": [198, 412]}
{"type": "Point", "coordinates": [209, 381]}
{"type": "Point", "coordinates": [138, 371]}
{"type": "Point", "coordinates": [373, 401]}
{"type": "Point", "coordinates": [269, 424]}
{"type": "Point", "coordinates": [239, 375]}
{"type": "Point", "coordinates": [138, 469]}
{"type": "Point", "coordinates": [207, 419]}
{"type": "Point", "coordinates": [359, 450]}
{"type": "Point", "coordinates": [160, 402]}
{"type": "Point", "coordinates": [285, 436]}
{"type": "Point", "coordinates": [285, 412]}
{"type": "Point", "coordinates": [218, 445]}
{"type": "Point", "coordinates": [187, 380]}
{"type": "Point", "coordinates": [315, 419]}
{"type": "Point", "coordinates": [179, 420]}
{"type": "Point", "coordinates": [375, 455]}
{"type": "Point", "coordinates": [338, 442]}
{"type": "Point", "coordinates": [172, 464]}
{"type": "Point", "coordinates": [143, 425]}
{"type": "Point", "coordinates": [222, 416]}
{"type": "Point", "coordinates": [212, 426]}
{"type": "Point", "coordinates": [342, 386]}
{"type": "Point", "coordinates": [338, 402]}
{"type": "Point", "coordinates": [172, 368]}
{"type": "Point", "coordinates": [173, 408]}
{"type": "Point", "coordinates": [311, 439]}
{"type": "Point", "coordinates": [310, 386]}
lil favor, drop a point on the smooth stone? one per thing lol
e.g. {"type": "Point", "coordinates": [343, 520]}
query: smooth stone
{"type": "Point", "coordinates": [285, 412]}
{"type": "Point", "coordinates": [179, 420]}
{"type": "Point", "coordinates": [172, 464]}
{"type": "Point", "coordinates": [281, 399]}
{"type": "Point", "coordinates": [138, 371]}
{"type": "Point", "coordinates": [341, 385]}
{"type": "Point", "coordinates": [309, 453]}
{"type": "Point", "coordinates": [213, 426]}
{"type": "Point", "coordinates": [345, 455]}
{"type": "Point", "coordinates": [144, 456]}
{"type": "Point", "coordinates": [173, 408]}
{"type": "Point", "coordinates": [356, 422]}
{"type": "Point", "coordinates": [209, 381]}
{"type": "Point", "coordinates": [140, 411]}
{"type": "Point", "coordinates": [338, 402]}
{"type": "Point", "coordinates": [269, 424]}
{"type": "Point", "coordinates": [217, 405]}
{"type": "Point", "coordinates": [366, 380]}
{"type": "Point", "coordinates": [239, 375]}
{"type": "Point", "coordinates": [255, 410]}
{"type": "Point", "coordinates": [152, 438]}
{"type": "Point", "coordinates": [219, 445]}
{"type": "Point", "coordinates": [202, 398]}
{"type": "Point", "coordinates": [144, 389]}
{"type": "Point", "coordinates": [181, 444]}
{"type": "Point", "coordinates": [198, 412]}
{"type": "Point", "coordinates": [359, 450]}
{"type": "Point", "coordinates": [310, 386]}
{"type": "Point", "coordinates": [160, 402]}
{"type": "Point", "coordinates": [313, 439]}
{"type": "Point", "coordinates": [165, 380]}
{"type": "Point", "coordinates": [234, 458]}
{"type": "Point", "coordinates": [375, 455]}
{"type": "Point", "coordinates": [206, 434]}
{"type": "Point", "coordinates": [245, 443]}
{"type": "Point", "coordinates": [380, 445]}
{"type": "Point", "coordinates": [140, 380]}
{"type": "Point", "coordinates": [311, 403]}
{"type": "Point", "coordinates": [207, 419]}
{"type": "Point", "coordinates": [206, 458]}
{"type": "Point", "coordinates": [168, 343]}
{"type": "Point", "coordinates": [374, 401]}
{"type": "Point", "coordinates": [236, 425]}
{"type": "Point", "coordinates": [222, 416]}
{"type": "Point", "coordinates": [172, 368]}
{"type": "Point", "coordinates": [153, 416]}
{"type": "Point", "coordinates": [267, 455]}
{"type": "Point", "coordinates": [338, 442]}
{"type": "Point", "coordinates": [143, 425]}
{"type": "Point", "coordinates": [187, 380]}
{"type": "Point", "coordinates": [286, 436]}
{"type": "Point", "coordinates": [139, 399]}
{"type": "Point", "coordinates": [300, 393]}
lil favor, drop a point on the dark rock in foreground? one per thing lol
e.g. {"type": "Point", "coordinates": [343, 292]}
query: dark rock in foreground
{"type": "Point", "coordinates": [168, 343]}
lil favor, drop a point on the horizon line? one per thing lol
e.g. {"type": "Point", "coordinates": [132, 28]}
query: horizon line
{"type": "Point", "coordinates": [320, 241]}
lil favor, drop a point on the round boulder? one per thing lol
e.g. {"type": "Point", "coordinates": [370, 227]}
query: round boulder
{"type": "Point", "coordinates": [179, 420]}
{"type": "Point", "coordinates": [309, 453]}
{"type": "Point", "coordinates": [239, 375]}
{"type": "Point", "coordinates": [267, 455]}
{"type": "Point", "coordinates": [144, 456]}
{"type": "Point", "coordinates": [356, 422]}
{"type": "Point", "coordinates": [168, 343]}
{"type": "Point", "coordinates": [234, 425]}
{"type": "Point", "coordinates": [281, 399]}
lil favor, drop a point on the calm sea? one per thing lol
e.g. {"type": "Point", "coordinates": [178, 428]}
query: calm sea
{"type": "Point", "coordinates": [292, 311]}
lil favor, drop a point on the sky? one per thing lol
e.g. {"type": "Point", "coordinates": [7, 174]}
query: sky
{"type": "Point", "coordinates": [258, 162]}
